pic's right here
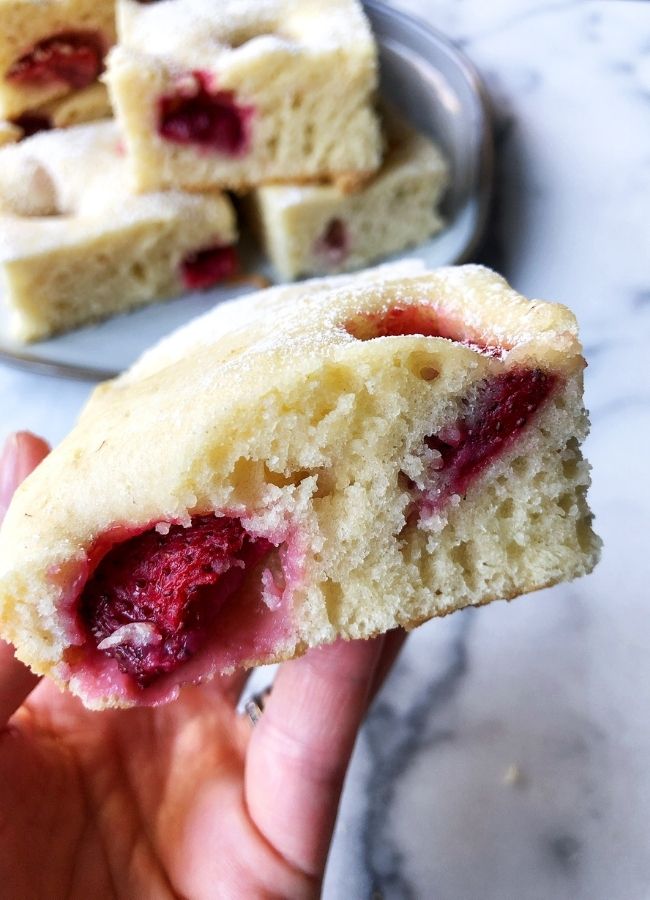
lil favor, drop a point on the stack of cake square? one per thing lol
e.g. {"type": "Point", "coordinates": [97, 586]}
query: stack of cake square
{"type": "Point", "coordinates": [274, 100]}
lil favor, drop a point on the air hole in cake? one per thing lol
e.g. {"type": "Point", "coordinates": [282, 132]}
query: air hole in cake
{"type": "Point", "coordinates": [209, 266]}
{"type": "Point", "coordinates": [502, 408]}
{"type": "Point", "coordinates": [211, 593]}
{"type": "Point", "coordinates": [584, 533]}
{"type": "Point", "coordinates": [405, 482]}
{"type": "Point", "coordinates": [243, 34]}
{"type": "Point", "coordinates": [297, 101]}
{"type": "Point", "coordinates": [571, 459]}
{"type": "Point", "coordinates": [73, 58]}
{"type": "Point", "coordinates": [520, 466]}
{"type": "Point", "coordinates": [251, 479]}
{"type": "Point", "coordinates": [196, 113]}
{"type": "Point", "coordinates": [424, 365]}
{"type": "Point", "coordinates": [464, 555]}
{"type": "Point", "coordinates": [506, 509]}
{"type": "Point", "coordinates": [325, 483]}
{"type": "Point", "coordinates": [282, 479]}
{"type": "Point", "coordinates": [400, 321]}
{"type": "Point", "coordinates": [514, 552]}
{"type": "Point", "coordinates": [333, 244]}
{"type": "Point", "coordinates": [138, 272]}
{"type": "Point", "coordinates": [333, 594]}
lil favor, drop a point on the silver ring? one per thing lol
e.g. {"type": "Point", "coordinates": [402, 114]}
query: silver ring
{"type": "Point", "coordinates": [254, 706]}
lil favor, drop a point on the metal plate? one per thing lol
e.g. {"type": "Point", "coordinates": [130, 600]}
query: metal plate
{"type": "Point", "coordinates": [434, 86]}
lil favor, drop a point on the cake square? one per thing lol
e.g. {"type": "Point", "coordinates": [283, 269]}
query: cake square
{"type": "Point", "coordinates": [330, 459]}
{"type": "Point", "coordinates": [77, 246]}
{"type": "Point", "coordinates": [320, 229]}
{"type": "Point", "coordinates": [51, 48]}
{"type": "Point", "coordinates": [87, 105]}
{"type": "Point", "coordinates": [239, 93]}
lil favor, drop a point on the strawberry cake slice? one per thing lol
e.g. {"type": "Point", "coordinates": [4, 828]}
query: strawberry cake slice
{"type": "Point", "coordinates": [339, 457]}
{"type": "Point", "coordinates": [50, 49]}
{"type": "Point", "coordinates": [77, 246]}
{"type": "Point", "coordinates": [318, 229]}
{"type": "Point", "coordinates": [240, 92]}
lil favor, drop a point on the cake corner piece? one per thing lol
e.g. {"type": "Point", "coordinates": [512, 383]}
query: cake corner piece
{"type": "Point", "coordinates": [245, 93]}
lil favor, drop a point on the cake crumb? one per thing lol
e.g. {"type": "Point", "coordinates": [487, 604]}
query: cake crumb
{"type": "Point", "coordinates": [514, 776]}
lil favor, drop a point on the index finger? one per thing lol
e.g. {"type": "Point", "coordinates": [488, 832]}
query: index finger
{"type": "Point", "coordinates": [21, 454]}
{"type": "Point", "coordinates": [299, 751]}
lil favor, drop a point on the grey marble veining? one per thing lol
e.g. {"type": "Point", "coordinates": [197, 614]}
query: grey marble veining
{"type": "Point", "coordinates": [508, 757]}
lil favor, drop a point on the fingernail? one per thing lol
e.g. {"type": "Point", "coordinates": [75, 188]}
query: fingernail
{"type": "Point", "coordinates": [8, 473]}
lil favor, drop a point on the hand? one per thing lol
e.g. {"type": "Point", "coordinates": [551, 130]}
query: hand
{"type": "Point", "coordinates": [187, 799]}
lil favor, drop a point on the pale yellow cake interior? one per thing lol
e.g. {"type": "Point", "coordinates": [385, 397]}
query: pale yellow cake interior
{"type": "Point", "coordinates": [396, 209]}
{"type": "Point", "coordinates": [269, 409]}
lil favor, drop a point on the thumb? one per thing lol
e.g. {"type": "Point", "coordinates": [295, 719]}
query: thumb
{"type": "Point", "coordinates": [22, 453]}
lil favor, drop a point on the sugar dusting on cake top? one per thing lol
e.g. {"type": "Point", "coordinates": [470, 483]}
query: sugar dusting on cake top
{"type": "Point", "coordinates": [61, 185]}
{"type": "Point", "coordinates": [309, 318]}
{"type": "Point", "coordinates": [199, 30]}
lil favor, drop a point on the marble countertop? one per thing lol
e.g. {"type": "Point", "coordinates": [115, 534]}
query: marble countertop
{"type": "Point", "coordinates": [508, 757]}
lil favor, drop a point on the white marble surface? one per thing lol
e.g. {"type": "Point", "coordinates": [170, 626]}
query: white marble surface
{"type": "Point", "coordinates": [555, 688]}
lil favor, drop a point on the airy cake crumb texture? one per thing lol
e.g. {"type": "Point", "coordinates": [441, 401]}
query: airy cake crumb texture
{"type": "Point", "coordinates": [269, 408]}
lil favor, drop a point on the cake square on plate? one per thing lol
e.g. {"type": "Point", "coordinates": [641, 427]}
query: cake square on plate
{"type": "Point", "coordinates": [319, 229]}
{"type": "Point", "coordinates": [76, 246]}
{"type": "Point", "coordinates": [50, 49]}
{"type": "Point", "coordinates": [241, 92]}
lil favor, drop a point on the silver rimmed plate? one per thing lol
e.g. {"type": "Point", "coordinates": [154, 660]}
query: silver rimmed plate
{"type": "Point", "coordinates": [434, 86]}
